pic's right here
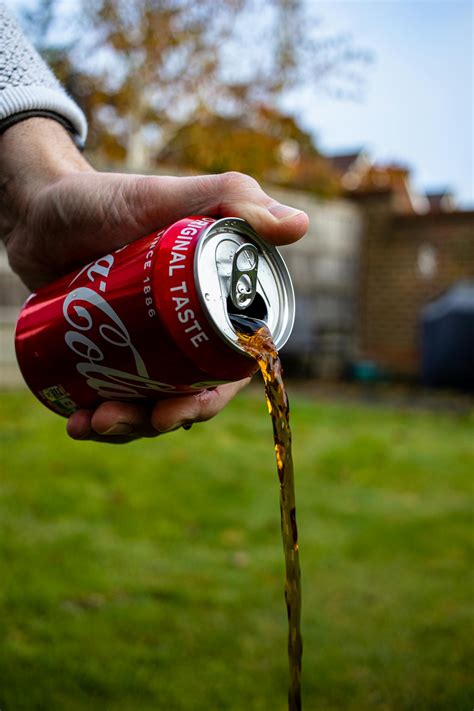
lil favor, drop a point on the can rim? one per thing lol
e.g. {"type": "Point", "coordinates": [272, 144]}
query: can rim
{"type": "Point", "coordinates": [283, 282]}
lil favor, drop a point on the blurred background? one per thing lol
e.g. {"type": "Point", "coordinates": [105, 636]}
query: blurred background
{"type": "Point", "coordinates": [125, 587]}
{"type": "Point", "coordinates": [358, 112]}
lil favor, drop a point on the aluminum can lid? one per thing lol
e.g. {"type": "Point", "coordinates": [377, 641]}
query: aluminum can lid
{"type": "Point", "coordinates": [237, 273]}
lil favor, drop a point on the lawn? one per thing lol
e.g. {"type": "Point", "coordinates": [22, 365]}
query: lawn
{"type": "Point", "coordinates": [150, 576]}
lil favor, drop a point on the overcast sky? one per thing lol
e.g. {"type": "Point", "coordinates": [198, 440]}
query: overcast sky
{"type": "Point", "coordinates": [418, 106]}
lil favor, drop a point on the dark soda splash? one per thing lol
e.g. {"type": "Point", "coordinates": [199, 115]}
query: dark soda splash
{"type": "Point", "coordinates": [256, 339]}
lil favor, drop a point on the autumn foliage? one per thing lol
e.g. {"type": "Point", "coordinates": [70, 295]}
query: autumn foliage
{"type": "Point", "coordinates": [199, 84]}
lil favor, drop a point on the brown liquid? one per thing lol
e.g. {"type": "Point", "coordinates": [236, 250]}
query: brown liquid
{"type": "Point", "coordinates": [260, 345]}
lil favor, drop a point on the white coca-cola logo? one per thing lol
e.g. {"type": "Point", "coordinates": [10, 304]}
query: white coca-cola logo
{"type": "Point", "coordinates": [84, 309]}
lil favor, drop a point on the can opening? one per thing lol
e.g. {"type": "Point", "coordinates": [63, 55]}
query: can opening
{"type": "Point", "coordinates": [246, 324]}
{"type": "Point", "coordinates": [257, 309]}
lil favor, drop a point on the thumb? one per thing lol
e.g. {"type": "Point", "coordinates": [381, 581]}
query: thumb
{"type": "Point", "coordinates": [159, 201]}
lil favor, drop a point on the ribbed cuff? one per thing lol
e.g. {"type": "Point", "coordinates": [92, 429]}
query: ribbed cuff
{"type": "Point", "coordinates": [23, 99]}
{"type": "Point", "coordinates": [40, 113]}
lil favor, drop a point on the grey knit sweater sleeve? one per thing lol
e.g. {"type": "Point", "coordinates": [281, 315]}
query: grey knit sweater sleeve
{"type": "Point", "coordinates": [27, 83]}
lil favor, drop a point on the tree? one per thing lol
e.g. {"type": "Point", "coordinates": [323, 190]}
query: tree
{"type": "Point", "coordinates": [272, 148]}
{"type": "Point", "coordinates": [146, 69]}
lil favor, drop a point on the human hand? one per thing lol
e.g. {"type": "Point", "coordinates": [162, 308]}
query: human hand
{"type": "Point", "coordinates": [57, 213]}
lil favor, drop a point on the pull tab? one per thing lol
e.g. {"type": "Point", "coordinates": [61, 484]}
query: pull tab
{"type": "Point", "coordinates": [243, 285]}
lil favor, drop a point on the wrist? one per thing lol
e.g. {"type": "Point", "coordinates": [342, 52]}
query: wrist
{"type": "Point", "coordinates": [33, 154]}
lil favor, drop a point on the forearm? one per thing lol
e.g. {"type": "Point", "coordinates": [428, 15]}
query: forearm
{"type": "Point", "coordinates": [33, 154]}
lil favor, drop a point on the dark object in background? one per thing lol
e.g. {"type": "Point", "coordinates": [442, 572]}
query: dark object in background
{"type": "Point", "coordinates": [447, 339]}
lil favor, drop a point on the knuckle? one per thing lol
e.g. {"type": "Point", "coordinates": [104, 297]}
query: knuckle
{"type": "Point", "coordinates": [233, 181]}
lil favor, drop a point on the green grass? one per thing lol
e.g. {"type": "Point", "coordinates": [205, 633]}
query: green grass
{"type": "Point", "coordinates": [150, 576]}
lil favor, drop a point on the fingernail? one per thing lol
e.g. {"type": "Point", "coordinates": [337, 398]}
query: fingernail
{"type": "Point", "coordinates": [283, 212]}
{"type": "Point", "coordinates": [162, 430]}
{"type": "Point", "coordinates": [120, 428]}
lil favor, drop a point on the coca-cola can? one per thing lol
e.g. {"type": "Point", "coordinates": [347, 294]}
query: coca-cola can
{"type": "Point", "coordinates": [154, 318]}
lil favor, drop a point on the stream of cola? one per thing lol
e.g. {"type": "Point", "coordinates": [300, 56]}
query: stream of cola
{"type": "Point", "coordinates": [256, 339]}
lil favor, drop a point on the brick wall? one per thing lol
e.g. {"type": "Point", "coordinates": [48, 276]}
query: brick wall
{"type": "Point", "coordinates": [406, 261]}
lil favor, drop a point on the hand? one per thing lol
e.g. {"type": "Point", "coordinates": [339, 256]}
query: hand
{"type": "Point", "coordinates": [57, 213]}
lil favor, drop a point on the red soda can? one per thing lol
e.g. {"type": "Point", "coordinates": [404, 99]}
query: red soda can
{"type": "Point", "coordinates": [154, 319]}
